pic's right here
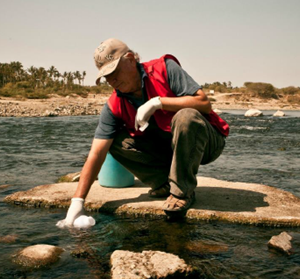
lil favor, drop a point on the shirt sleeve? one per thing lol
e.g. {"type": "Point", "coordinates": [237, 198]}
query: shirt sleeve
{"type": "Point", "coordinates": [180, 82]}
{"type": "Point", "coordinates": [108, 124]}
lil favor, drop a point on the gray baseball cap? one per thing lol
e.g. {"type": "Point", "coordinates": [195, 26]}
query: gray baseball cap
{"type": "Point", "coordinates": [107, 56]}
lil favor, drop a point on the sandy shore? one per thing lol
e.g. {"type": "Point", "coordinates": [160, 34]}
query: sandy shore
{"type": "Point", "coordinates": [92, 105]}
{"type": "Point", "coordinates": [54, 106]}
{"type": "Point", "coordinates": [234, 101]}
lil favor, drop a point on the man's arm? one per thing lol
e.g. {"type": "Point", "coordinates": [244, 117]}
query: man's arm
{"type": "Point", "coordinates": [198, 101]}
{"type": "Point", "coordinates": [89, 172]}
{"type": "Point", "coordinates": [92, 166]}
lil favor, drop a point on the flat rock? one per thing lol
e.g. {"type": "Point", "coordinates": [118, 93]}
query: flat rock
{"type": "Point", "coordinates": [4, 186]}
{"type": "Point", "coordinates": [37, 256]}
{"type": "Point", "coordinates": [279, 113]}
{"type": "Point", "coordinates": [218, 111]}
{"type": "Point", "coordinates": [253, 113]}
{"type": "Point", "coordinates": [281, 242]}
{"type": "Point", "coordinates": [202, 247]}
{"type": "Point", "coordinates": [148, 264]}
{"type": "Point", "coordinates": [8, 238]}
{"type": "Point", "coordinates": [235, 202]}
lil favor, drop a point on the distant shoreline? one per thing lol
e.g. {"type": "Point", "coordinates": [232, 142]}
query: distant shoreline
{"type": "Point", "coordinates": [93, 104]}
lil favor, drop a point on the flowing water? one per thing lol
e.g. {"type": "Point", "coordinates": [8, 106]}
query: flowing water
{"type": "Point", "coordinates": [36, 151]}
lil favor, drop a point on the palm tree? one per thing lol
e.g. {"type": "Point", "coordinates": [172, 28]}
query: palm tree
{"type": "Point", "coordinates": [64, 76]}
{"type": "Point", "coordinates": [70, 79]}
{"type": "Point", "coordinates": [17, 71]}
{"type": "Point", "coordinates": [42, 75]}
{"type": "Point", "coordinates": [33, 75]}
{"type": "Point", "coordinates": [77, 76]}
{"type": "Point", "coordinates": [52, 71]}
{"type": "Point", "coordinates": [83, 76]}
{"type": "Point", "coordinates": [57, 74]}
{"type": "Point", "coordinates": [4, 73]}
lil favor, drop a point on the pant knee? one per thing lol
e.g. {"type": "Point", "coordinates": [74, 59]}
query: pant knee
{"type": "Point", "coordinates": [188, 119]}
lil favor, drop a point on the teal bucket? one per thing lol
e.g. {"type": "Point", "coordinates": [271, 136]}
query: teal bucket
{"type": "Point", "coordinates": [113, 174]}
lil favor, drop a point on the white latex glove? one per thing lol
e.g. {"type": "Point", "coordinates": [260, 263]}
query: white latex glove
{"type": "Point", "coordinates": [145, 111]}
{"type": "Point", "coordinates": [74, 211]}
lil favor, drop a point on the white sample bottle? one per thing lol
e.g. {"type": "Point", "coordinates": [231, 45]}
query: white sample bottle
{"type": "Point", "coordinates": [83, 222]}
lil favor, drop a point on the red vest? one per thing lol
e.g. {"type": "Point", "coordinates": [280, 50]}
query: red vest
{"type": "Point", "coordinates": [156, 84]}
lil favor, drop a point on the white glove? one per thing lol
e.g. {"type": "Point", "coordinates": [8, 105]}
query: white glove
{"type": "Point", "coordinates": [74, 211]}
{"type": "Point", "coordinates": [145, 111]}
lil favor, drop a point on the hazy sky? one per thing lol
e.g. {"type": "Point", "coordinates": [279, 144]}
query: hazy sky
{"type": "Point", "coordinates": [215, 40]}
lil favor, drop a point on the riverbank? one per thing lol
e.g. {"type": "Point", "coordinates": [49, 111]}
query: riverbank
{"type": "Point", "coordinates": [92, 105]}
{"type": "Point", "coordinates": [54, 106]}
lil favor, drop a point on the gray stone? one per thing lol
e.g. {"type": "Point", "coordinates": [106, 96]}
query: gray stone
{"type": "Point", "coordinates": [37, 256]}
{"type": "Point", "coordinates": [217, 200]}
{"type": "Point", "coordinates": [148, 264]}
{"type": "Point", "coordinates": [217, 111]}
{"type": "Point", "coordinates": [253, 113]}
{"type": "Point", "coordinates": [5, 186]}
{"type": "Point", "coordinates": [50, 113]}
{"type": "Point", "coordinates": [208, 247]}
{"type": "Point", "coordinates": [281, 242]}
{"type": "Point", "coordinates": [279, 113]}
{"type": "Point", "coordinates": [8, 238]}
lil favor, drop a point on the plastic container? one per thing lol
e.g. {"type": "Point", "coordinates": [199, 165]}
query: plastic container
{"type": "Point", "coordinates": [84, 222]}
{"type": "Point", "coordinates": [113, 174]}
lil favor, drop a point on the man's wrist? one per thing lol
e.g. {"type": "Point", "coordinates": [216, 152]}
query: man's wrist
{"type": "Point", "coordinates": [77, 199]}
{"type": "Point", "coordinates": [157, 102]}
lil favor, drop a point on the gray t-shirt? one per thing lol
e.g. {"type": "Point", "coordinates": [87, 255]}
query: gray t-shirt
{"type": "Point", "coordinates": [180, 83]}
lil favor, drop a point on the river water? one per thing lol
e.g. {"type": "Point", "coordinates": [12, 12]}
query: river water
{"type": "Point", "coordinates": [36, 151]}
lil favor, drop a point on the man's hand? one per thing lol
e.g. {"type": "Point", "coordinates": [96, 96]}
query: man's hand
{"type": "Point", "coordinates": [74, 211]}
{"type": "Point", "coordinates": [145, 111]}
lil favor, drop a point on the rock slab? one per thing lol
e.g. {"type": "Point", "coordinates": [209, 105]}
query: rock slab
{"type": "Point", "coordinates": [279, 113]}
{"type": "Point", "coordinates": [37, 256]}
{"type": "Point", "coordinates": [148, 264]}
{"type": "Point", "coordinates": [253, 113]}
{"type": "Point", "coordinates": [216, 200]}
{"type": "Point", "coordinates": [281, 242]}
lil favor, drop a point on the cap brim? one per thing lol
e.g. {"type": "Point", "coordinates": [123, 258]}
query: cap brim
{"type": "Point", "coordinates": [107, 69]}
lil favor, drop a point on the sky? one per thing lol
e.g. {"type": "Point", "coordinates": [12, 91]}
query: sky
{"type": "Point", "coordinates": [214, 40]}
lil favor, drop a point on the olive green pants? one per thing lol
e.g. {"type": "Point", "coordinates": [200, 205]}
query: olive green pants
{"type": "Point", "coordinates": [159, 157]}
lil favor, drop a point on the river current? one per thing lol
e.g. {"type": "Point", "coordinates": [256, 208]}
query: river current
{"type": "Point", "coordinates": [36, 151]}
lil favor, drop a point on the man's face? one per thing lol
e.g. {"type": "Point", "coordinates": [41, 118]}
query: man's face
{"type": "Point", "coordinates": [126, 77]}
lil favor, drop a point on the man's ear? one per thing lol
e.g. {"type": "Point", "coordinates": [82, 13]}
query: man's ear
{"type": "Point", "coordinates": [130, 56]}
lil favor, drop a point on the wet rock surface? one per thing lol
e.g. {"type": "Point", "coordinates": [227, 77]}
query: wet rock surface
{"type": "Point", "coordinates": [202, 247]}
{"type": "Point", "coordinates": [8, 238]}
{"type": "Point", "coordinates": [37, 256]}
{"type": "Point", "coordinates": [149, 264]}
{"type": "Point", "coordinates": [217, 200]}
{"type": "Point", "coordinates": [281, 243]}
{"type": "Point", "coordinates": [253, 113]}
{"type": "Point", "coordinates": [279, 113]}
{"type": "Point", "coordinates": [4, 186]}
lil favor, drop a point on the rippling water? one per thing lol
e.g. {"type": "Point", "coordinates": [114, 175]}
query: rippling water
{"type": "Point", "coordinates": [37, 151]}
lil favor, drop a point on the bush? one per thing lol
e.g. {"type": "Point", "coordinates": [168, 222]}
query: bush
{"type": "Point", "coordinates": [103, 88]}
{"type": "Point", "coordinates": [293, 99]}
{"type": "Point", "coordinates": [260, 89]}
{"type": "Point", "coordinates": [291, 90]}
{"type": "Point", "coordinates": [23, 84]}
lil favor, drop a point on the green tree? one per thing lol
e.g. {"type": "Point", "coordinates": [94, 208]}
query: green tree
{"type": "Point", "coordinates": [77, 76]}
{"type": "Point", "coordinates": [83, 76]}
